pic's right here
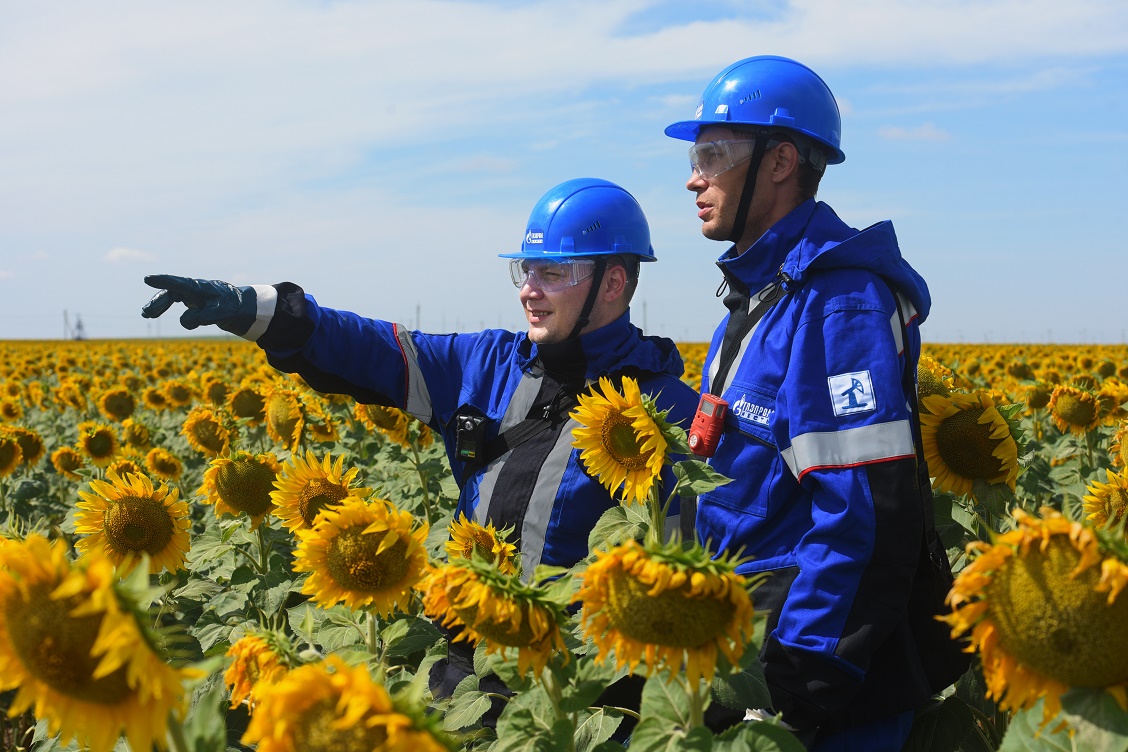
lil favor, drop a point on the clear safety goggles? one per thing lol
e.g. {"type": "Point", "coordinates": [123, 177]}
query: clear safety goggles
{"type": "Point", "coordinates": [712, 158]}
{"type": "Point", "coordinates": [550, 276]}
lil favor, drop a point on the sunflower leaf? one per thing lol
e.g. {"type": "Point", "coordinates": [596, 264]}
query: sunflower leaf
{"type": "Point", "coordinates": [615, 526]}
{"type": "Point", "coordinates": [665, 699]}
{"type": "Point", "coordinates": [1097, 719]}
{"type": "Point", "coordinates": [660, 735]}
{"type": "Point", "coordinates": [758, 736]}
{"type": "Point", "coordinates": [696, 477]}
{"type": "Point", "coordinates": [596, 729]}
{"type": "Point", "coordinates": [409, 635]}
{"type": "Point", "coordinates": [466, 710]}
{"type": "Point", "coordinates": [1025, 734]}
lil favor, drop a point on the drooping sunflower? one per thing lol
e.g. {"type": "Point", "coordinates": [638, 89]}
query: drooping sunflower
{"type": "Point", "coordinates": [933, 377]}
{"type": "Point", "coordinates": [306, 487]}
{"type": "Point", "coordinates": [10, 454]}
{"type": "Point", "coordinates": [215, 389]}
{"type": "Point", "coordinates": [1106, 503]}
{"type": "Point", "coordinates": [486, 604]}
{"type": "Point", "coordinates": [248, 403]}
{"type": "Point", "coordinates": [623, 438]}
{"type": "Point", "coordinates": [1042, 607]}
{"type": "Point", "coordinates": [241, 484]}
{"type": "Point", "coordinates": [98, 442]}
{"type": "Point", "coordinates": [258, 660]}
{"type": "Point", "coordinates": [1119, 446]}
{"type": "Point", "coordinates": [126, 517]}
{"type": "Point", "coordinates": [31, 444]}
{"type": "Point", "coordinates": [468, 538]}
{"type": "Point", "coordinates": [1074, 410]}
{"type": "Point", "coordinates": [285, 417]}
{"type": "Point", "coordinates": [116, 404]}
{"type": "Point", "coordinates": [365, 555]}
{"type": "Point", "coordinates": [163, 463]}
{"type": "Point", "coordinates": [66, 460]}
{"type": "Point", "coordinates": [666, 605]}
{"type": "Point", "coordinates": [135, 434]}
{"type": "Point", "coordinates": [330, 705]}
{"type": "Point", "coordinates": [1038, 396]}
{"type": "Point", "coordinates": [124, 466]}
{"type": "Point", "coordinates": [389, 421]}
{"type": "Point", "coordinates": [76, 653]}
{"type": "Point", "coordinates": [206, 432]}
{"type": "Point", "coordinates": [967, 439]}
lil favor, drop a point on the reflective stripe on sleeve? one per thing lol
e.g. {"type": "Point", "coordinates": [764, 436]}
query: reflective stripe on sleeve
{"type": "Point", "coordinates": [266, 300]}
{"type": "Point", "coordinates": [417, 400]}
{"type": "Point", "coordinates": [910, 313]}
{"type": "Point", "coordinates": [849, 447]}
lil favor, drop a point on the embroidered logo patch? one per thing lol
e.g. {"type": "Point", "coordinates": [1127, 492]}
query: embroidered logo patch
{"type": "Point", "coordinates": [852, 393]}
{"type": "Point", "coordinates": [751, 411]}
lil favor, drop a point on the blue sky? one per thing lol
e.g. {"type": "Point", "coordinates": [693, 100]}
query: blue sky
{"type": "Point", "coordinates": [381, 154]}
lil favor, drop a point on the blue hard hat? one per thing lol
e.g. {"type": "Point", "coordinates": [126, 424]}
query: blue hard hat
{"type": "Point", "coordinates": [586, 217]}
{"type": "Point", "coordinates": [770, 92]}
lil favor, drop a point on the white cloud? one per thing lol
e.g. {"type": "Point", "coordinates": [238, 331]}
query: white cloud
{"type": "Point", "coordinates": [485, 164]}
{"type": "Point", "coordinates": [127, 255]}
{"type": "Point", "coordinates": [923, 132]}
{"type": "Point", "coordinates": [5, 274]}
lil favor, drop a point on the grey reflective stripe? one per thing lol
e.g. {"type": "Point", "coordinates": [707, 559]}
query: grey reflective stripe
{"type": "Point", "coordinates": [852, 446]}
{"type": "Point", "coordinates": [719, 389]}
{"type": "Point", "coordinates": [543, 500]}
{"type": "Point", "coordinates": [266, 300]}
{"type": "Point", "coordinates": [418, 401]}
{"type": "Point", "coordinates": [518, 408]}
{"type": "Point", "coordinates": [909, 312]}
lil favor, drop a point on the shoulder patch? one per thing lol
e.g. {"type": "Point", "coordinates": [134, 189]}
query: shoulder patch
{"type": "Point", "coordinates": [852, 393]}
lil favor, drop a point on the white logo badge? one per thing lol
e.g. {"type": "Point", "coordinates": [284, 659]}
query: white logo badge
{"type": "Point", "coordinates": [852, 393]}
{"type": "Point", "coordinates": [534, 236]}
{"type": "Point", "coordinates": [721, 109]}
{"type": "Point", "coordinates": [751, 411]}
{"type": "Point", "coordinates": [700, 107]}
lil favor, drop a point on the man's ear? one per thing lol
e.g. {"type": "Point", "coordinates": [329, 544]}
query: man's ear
{"type": "Point", "coordinates": [614, 283]}
{"type": "Point", "coordinates": [784, 162]}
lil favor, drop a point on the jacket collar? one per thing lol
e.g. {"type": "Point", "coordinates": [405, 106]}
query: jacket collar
{"type": "Point", "coordinates": [760, 264]}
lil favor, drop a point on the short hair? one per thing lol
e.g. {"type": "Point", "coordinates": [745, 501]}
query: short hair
{"type": "Point", "coordinates": [631, 266]}
{"type": "Point", "coordinates": [809, 176]}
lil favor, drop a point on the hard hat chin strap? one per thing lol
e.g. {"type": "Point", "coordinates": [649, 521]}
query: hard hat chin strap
{"type": "Point", "coordinates": [749, 187]}
{"type": "Point", "coordinates": [589, 302]}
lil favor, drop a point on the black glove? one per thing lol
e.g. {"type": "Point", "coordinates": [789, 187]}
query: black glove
{"type": "Point", "coordinates": [233, 309]}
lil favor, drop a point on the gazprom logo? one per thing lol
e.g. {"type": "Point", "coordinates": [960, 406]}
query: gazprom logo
{"type": "Point", "coordinates": [534, 237]}
{"type": "Point", "coordinates": [742, 408]}
{"type": "Point", "coordinates": [700, 107]}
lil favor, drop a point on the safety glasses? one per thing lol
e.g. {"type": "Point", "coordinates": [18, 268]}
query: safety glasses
{"type": "Point", "coordinates": [713, 158]}
{"type": "Point", "coordinates": [550, 276]}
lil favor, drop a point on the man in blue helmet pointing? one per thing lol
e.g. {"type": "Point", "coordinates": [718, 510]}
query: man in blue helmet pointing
{"type": "Point", "coordinates": [818, 355]}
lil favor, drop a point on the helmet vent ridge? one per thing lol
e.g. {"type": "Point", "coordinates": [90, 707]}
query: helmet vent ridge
{"type": "Point", "coordinates": [592, 227]}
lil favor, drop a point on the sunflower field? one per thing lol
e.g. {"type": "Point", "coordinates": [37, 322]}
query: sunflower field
{"type": "Point", "coordinates": [201, 553]}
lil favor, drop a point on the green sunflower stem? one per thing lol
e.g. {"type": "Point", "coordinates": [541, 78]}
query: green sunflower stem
{"type": "Point", "coordinates": [372, 639]}
{"type": "Point", "coordinates": [696, 702]}
{"type": "Point", "coordinates": [263, 550]}
{"type": "Point", "coordinates": [552, 687]}
{"type": "Point", "coordinates": [177, 741]}
{"type": "Point", "coordinates": [422, 482]}
{"type": "Point", "coordinates": [656, 535]}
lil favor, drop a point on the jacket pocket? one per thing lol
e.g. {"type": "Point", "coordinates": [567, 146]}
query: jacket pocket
{"type": "Point", "coordinates": [747, 453]}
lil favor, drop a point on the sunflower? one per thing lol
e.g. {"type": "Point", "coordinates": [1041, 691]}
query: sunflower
{"type": "Point", "coordinates": [330, 705]}
{"type": "Point", "coordinates": [1074, 410]}
{"type": "Point", "coordinates": [177, 393]}
{"type": "Point", "coordinates": [76, 653]}
{"type": "Point", "coordinates": [98, 442]}
{"type": "Point", "coordinates": [1106, 502]}
{"type": "Point", "coordinates": [215, 390]}
{"type": "Point", "coordinates": [10, 410]}
{"type": "Point", "coordinates": [1041, 604]}
{"type": "Point", "coordinates": [468, 538]}
{"type": "Point", "coordinates": [31, 444]}
{"type": "Point", "coordinates": [967, 439]}
{"type": "Point", "coordinates": [248, 403]}
{"type": "Point", "coordinates": [666, 605]}
{"type": "Point", "coordinates": [126, 517]}
{"type": "Point", "coordinates": [125, 466]}
{"type": "Point", "coordinates": [485, 604]}
{"type": "Point", "coordinates": [363, 555]}
{"type": "Point", "coordinates": [1112, 395]}
{"type": "Point", "coordinates": [163, 464]}
{"type": "Point", "coordinates": [1038, 396]}
{"type": "Point", "coordinates": [70, 393]}
{"type": "Point", "coordinates": [10, 454]}
{"type": "Point", "coordinates": [933, 377]}
{"type": "Point", "coordinates": [257, 661]}
{"type": "Point", "coordinates": [206, 432]}
{"type": "Point", "coordinates": [116, 404]}
{"type": "Point", "coordinates": [136, 435]}
{"type": "Point", "coordinates": [241, 484]}
{"type": "Point", "coordinates": [1119, 446]}
{"type": "Point", "coordinates": [387, 420]}
{"type": "Point", "coordinates": [306, 487]}
{"type": "Point", "coordinates": [623, 438]}
{"type": "Point", "coordinates": [285, 418]}
{"type": "Point", "coordinates": [154, 399]}
{"type": "Point", "coordinates": [66, 460]}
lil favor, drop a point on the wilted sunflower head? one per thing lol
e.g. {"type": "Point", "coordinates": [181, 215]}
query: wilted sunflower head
{"type": "Point", "coordinates": [332, 706]}
{"type": "Point", "coordinates": [116, 404]}
{"type": "Point", "coordinates": [285, 417]}
{"type": "Point", "coordinates": [966, 438]}
{"type": "Point", "coordinates": [66, 460]}
{"type": "Point", "coordinates": [248, 403]}
{"type": "Point", "coordinates": [667, 605]}
{"type": "Point", "coordinates": [258, 660]}
{"type": "Point", "coordinates": [10, 453]}
{"type": "Point", "coordinates": [365, 555]}
{"type": "Point", "coordinates": [1074, 410]}
{"type": "Point", "coordinates": [207, 431]}
{"type": "Point", "coordinates": [469, 539]}
{"type": "Point", "coordinates": [306, 487]}
{"type": "Point", "coordinates": [241, 484]}
{"type": "Point", "coordinates": [1041, 604]}
{"type": "Point", "coordinates": [72, 647]}
{"type": "Point", "coordinates": [98, 442]}
{"type": "Point", "coordinates": [126, 518]}
{"type": "Point", "coordinates": [163, 464]}
{"type": "Point", "coordinates": [1106, 503]}
{"type": "Point", "coordinates": [487, 605]}
{"type": "Point", "coordinates": [624, 438]}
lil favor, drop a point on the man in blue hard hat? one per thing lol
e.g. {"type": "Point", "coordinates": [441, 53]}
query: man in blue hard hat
{"type": "Point", "coordinates": [500, 399]}
{"type": "Point", "coordinates": [816, 360]}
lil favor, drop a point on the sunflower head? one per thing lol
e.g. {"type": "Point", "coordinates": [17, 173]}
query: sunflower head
{"type": "Point", "coordinates": [666, 605]}
{"type": "Point", "coordinates": [10, 453]}
{"type": "Point", "coordinates": [155, 399]}
{"type": "Point", "coordinates": [1042, 609]}
{"type": "Point", "coordinates": [469, 539]}
{"type": "Point", "coordinates": [248, 403]}
{"type": "Point", "coordinates": [66, 460]}
{"type": "Point", "coordinates": [215, 390]}
{"type": "Point", "coordinates": [624, 439]}
{"type": "Point", "coordinates": [967, 438]}
{"type": "Point", "coordinates": [10, 410]}
{"type": "Point", "coordinates": [163, 463]}
{"type": "Point", "coordinates": [72, 647]}
{"type": "Point", "coordinates": [387, 420]}
{"type": "Point", "coordinates": [258, 660]}
{"type": "Point", "coordinates": [1119, 446]}
{"type": "Point", "coordinates": [116, 404]}
{"type": "Point", "coordinates": [207, 432]}
{"type": "Point", "coordinates": [126, 518]}
{"type": "Point", "coordinates": [285, 417]}
{"type": "Point", "coordinates": [1074, 410]}
{"type": "Point", "coordinates": [125, 466]}
{"type": "Point", "coordinates": [1106, 503]}
{"type": "Point", "coordinates": [98, 442]}
{"type": "Point", "coordinates": [933, 377]}
{"type": "Point", "coordinates": [1038, 396]}
{"type": "Point", "coordinates": [136, 435]}
{"type": "Point", "coordinates": [306, 487]}
{"type": "Point", "coordinates": [178, 393]}
{"type": "Point", "coordinates": [365, 555]}
{"type": "Point", "coordinates": [241, 484]}
{"type": "Point", "coordinates": [487, 605]}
